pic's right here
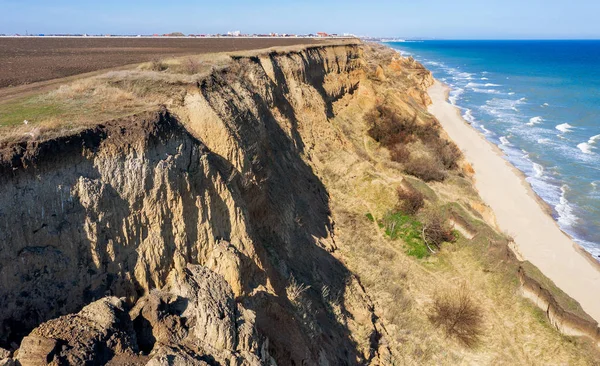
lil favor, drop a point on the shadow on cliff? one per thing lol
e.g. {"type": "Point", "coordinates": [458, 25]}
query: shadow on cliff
{"type": "Point", "coordinates": [289, 214]}
{"type": "Point", "coordinates": [76, 233]}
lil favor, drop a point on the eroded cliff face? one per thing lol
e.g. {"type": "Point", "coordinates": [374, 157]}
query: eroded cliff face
{"type": "Point", "coordinates": [228, 226]}
{"type": "Point", "coordinates": [118, 209]}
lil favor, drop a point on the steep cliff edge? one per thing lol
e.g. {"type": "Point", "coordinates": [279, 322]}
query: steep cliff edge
{"type": "Point", "coordinates": [229, 227]}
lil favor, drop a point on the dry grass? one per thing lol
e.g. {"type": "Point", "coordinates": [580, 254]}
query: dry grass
{"type": "Point", "coordinates": [403, 287]}
{"type": "Point", "coordinates": [295, 289]}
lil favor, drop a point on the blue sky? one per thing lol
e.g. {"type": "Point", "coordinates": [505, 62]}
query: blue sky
{"type": "Point", "coordinates": [471, 19]}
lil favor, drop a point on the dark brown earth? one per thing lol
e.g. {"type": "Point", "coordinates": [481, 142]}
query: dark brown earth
{"type": "Point", "coordinates": [29, 60]}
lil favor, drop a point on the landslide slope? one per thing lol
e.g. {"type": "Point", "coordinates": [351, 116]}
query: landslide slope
{"type": "Point", "coordinates": [251, 219]}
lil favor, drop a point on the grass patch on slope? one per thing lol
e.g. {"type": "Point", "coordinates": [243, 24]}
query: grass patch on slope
{"type": "Point", "coordinates": [31, 109]}
{"type": "Point", "coordinates": [400, 226]}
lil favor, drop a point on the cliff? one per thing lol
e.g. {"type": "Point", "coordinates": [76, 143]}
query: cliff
{"type": "Point", "coordinates": [228, 225]}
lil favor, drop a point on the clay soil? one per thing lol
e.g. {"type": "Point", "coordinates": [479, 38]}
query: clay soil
{"type": "Point", "coordinates": [29, 60]}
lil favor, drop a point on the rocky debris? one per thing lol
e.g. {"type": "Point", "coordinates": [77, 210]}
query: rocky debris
{"type": "Point", "coordinates": [169, 356]}
{"type": "Point", "coordinates": [195, 318]}
{"type": "Point", "coordinates": [380, 74]}
{"type": "Point", "coordinates": [5, 357]}
{"type": "Point", "coordinates": [92, 336]}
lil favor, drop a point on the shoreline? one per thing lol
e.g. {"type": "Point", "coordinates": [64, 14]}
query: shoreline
{"type": "Point", "coordinates": [519, 211]}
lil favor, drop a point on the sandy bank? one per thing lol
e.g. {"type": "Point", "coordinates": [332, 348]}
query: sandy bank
{"type": "Point", "coordinates": [518, 213]}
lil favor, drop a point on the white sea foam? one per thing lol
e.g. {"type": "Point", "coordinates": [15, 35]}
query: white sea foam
{"type": "Point", "coordinates": [468, 116]}
{"type": "Point", "coordinates": [464, 76]}
{"type": "Point", "coordinates": [486, 91]}
{"type": "Point", "coordinates": [589, 146]}
{"type": "Point", "coordinates": [454, 95]}
{"type": "Point", "coordinates": [564, 209]}
{"type": "Point", "coordinates": [494, 106]}
{"type": "Point", "coordinates": [459, 75]}
{"type": "Point", "coordinates": [585, 148]}
{"type": "Point", "coordinates": [485, 79]}
{"type": "Point", "coordinates": [485, 130]}
{"type": "Point", "coordinates": [481, 85]}
{"type": "Point", "coordinates": [511, 93]}
{"type": "Point", "coordinates": [564, 127]}
{"type": "Point", "coordinates": [594, 139]}
{"type": "Point", "coordinates": [543, 141]}
{"type": "Point", "coordinates": [538, 169]}
{"type": "Point", "coordinates": [534, 121]}
{"type": "Point", "coordinates": [545, 105]}
{"type": "Point", "coordinates": [504, 140]}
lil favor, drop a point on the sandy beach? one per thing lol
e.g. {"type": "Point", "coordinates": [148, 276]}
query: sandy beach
{"type": "Point", "coordinates": [518, 211]}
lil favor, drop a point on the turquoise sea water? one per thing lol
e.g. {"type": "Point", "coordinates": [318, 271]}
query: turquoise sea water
{"type": "Point", "coordinates": [539, 101]}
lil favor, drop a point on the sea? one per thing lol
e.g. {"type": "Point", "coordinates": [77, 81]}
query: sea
{"type": "Point", "coordinates": [538, 101]}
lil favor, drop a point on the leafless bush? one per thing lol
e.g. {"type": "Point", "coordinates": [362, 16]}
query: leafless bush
{"type": "Point", "coordinates": [458, 315]}
{"type": "Point", "coordinates": [158, 65]}
{"type": "Point", "coordinates": [425, 168]}
{"type": "Point", "coordinates": [389, 127]}
{"type": "Point", "coordinates": [191, 66]}
{"type": "Point", "coordinates": [436, 229]}
{"type": "Point", "coordinates": [448, 153]}
{"type": "Point", "coordinates": [399, 153]}
{"type": "Point", "coordinates": [410, 201]}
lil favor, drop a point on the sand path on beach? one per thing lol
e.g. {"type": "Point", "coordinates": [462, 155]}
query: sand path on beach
{"type": "Point", "coordinates": [518, 211]}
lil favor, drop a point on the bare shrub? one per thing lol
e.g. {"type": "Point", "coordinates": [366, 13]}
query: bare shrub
{"type": "Point", "coordinates": [425, 168]}
{"type": "Point", "coordinates": [158, 65]}
{"type": "Point", "coordinates": [458, 315]}
{"type": "Point", "coordinates": [436, 229]}
{"type": "Point", "coordinates": [410, 201]}
{"type": "Point", "coordinates": [389, 127]}
{"type": "Point", "coordinates": [295, 289]}
{"type": "Point", "coordinates": [399, 153]}
{"type": "Point", "coordinates": [191, 66]}
{"type": "Point", "coordinates": [448, 153]}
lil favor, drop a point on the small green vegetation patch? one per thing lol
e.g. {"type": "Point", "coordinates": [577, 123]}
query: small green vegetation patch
{"type": "Point", "coordinates": [407, 228]}
{"type": "Point", "coordinates": [14, 113]}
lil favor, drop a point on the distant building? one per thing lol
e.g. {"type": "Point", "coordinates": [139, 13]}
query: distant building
{"type": "Point", "coordinates": [322, 34]}
{"type": "Point", "coordinates": [234, 33]}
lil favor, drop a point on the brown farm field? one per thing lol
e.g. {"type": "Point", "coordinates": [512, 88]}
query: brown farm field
{"type": "Point", "coordinates": [30, 60]}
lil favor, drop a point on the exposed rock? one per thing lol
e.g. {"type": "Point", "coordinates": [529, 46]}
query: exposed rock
{"type": "Point", "coordinates": [231, 182]}
{"type": "Point", "coordinates": [380, 74]}
{"type": "Point", "coordinates": [196, 310]}
{"type": "Point", "coordinates": [168, 356]}
{"type": "Point", "coordinates": [92, 336]}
